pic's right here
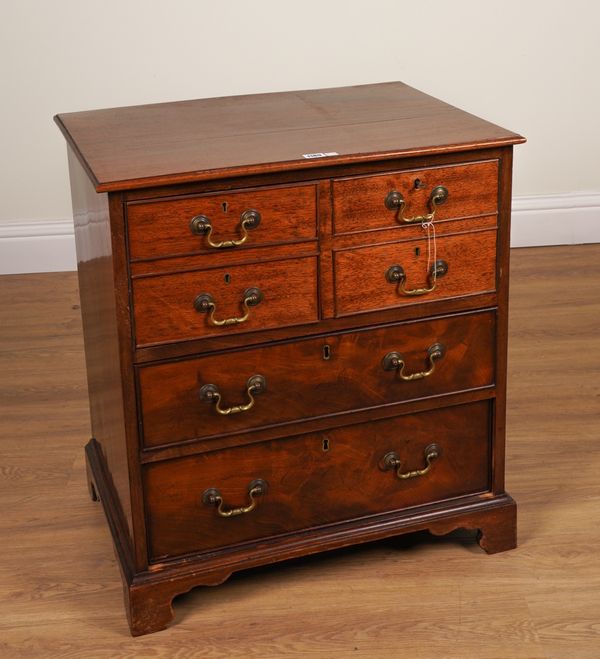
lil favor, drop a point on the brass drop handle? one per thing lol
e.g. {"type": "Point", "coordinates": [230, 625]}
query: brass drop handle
{"type": "Point", "coordinates": [392, 460]}
{"type": "Point", "coordinates": [395, 275]}
{"type": "Point", "coordinates": [395, 201]}
{"type": "Point", "coordinates": [205, 303]}
{"type": "Point", "coordinates": [212, 497]}
{"type": "Point", "coordinates": [200, 225]}
{"type": "Point", "coordinates": [209, 393]}
{"type": "Point", "coordinates": [394, 361]}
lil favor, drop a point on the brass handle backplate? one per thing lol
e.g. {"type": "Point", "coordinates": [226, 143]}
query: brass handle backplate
{"type": "Point", "coordinates": [395, 201]}
{"type": "Point", "coordinates": [209, 393]}
{"type": "Point", "coordinates": [392, 460]}
{"type": "Point", "coordinates": [394, 361]}
{"type": "Point", "coordinates": [200, 225]}
{"type": "Point", "coordinates": [205, 303]}
{"type": "Point", "coordinates": [395, 275]}
{"type": "Point", "coordinates": [212, 497]}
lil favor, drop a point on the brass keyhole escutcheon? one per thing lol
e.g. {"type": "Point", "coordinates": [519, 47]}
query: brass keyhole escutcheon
{"type": "Point", "coordinates": [325, 444]}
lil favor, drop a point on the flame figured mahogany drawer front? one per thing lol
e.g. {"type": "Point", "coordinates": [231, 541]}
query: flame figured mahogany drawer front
{"type": "Point", "coordinates": [388, 200]}
{"type": "Point", "coordinates": [229, 220]}
{"type": "Point", "coordinates": [247, 493]}
{"type": "Point", "coordinates": [221, 394]}
{"type": "Point", "coordinates": [240, 298]}
{"type": "Point", "coordinates": [397, 274]}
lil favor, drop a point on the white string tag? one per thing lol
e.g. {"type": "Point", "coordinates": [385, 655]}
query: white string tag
{"type": "Point", "coordinates": [429, 227]}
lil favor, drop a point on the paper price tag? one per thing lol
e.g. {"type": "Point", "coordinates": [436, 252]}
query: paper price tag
{"type": "Point", "coordinates": [321, 154]}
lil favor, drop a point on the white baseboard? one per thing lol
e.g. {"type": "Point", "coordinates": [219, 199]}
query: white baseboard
{"type": "Point", "coordinates": [37, 246]}
{"type": "Point", "coordinates": [560, 219]}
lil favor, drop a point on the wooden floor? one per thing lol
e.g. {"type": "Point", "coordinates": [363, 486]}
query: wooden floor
{"type": "Point", "coordinates": [418, 596]}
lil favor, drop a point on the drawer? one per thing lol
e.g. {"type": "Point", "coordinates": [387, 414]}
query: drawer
{"type": "Point", "coordinates": [192, 305]}
{"type": "Point", "coordinates": [359, 202]}
{"type": "Point", "coordinates": [314, 377]}
{"type": "Point", "coordinates": [285, 485]}
{"type": "Point", "coordinates": [270, 216]}
{"type": "Point", "coordinates": [396, 274]}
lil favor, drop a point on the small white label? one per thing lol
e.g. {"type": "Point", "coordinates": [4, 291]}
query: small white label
{"type": "Point", "coordinates": [320, 155]}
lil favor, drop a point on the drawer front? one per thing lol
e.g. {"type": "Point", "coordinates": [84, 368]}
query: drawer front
{"type": "Point", "coordinates": [165, 228]}
{"type": "Point", "coordinates": [315, 479]}
{"type": "Point", "coordinates": [359, 203]}
{"type": "Point", "coordinates": [191, 305]}
{"type": "Point", "coordinates": [396, 274]}
{"type": "Point", "coordinates": [315, 377]}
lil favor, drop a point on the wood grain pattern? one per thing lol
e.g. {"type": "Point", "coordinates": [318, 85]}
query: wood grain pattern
{"type": "Point", "coordinates": [170, 143]}
{"type": "Point", "coordinates": [164, 305]}
{"type": "Point", "coordinates": [310, 485]}
{"type": "Point", "coordinates": [359, 202]}
{"type": "Point", "coordinates": [412, 595]}
{"type": "Point", "coordinates": [471, 260]}
{"type": "Point", "coordinates": [302, 385]}
{"type": "Point", "coordinates": [162, 228]}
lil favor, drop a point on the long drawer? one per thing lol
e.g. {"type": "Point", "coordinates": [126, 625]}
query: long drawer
{"type": "Point", "coordinates": [248, 389]}
{"type": "Point", "coordinates": [247, 493]}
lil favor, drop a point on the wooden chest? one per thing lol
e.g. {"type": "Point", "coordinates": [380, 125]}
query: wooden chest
{"type": "Point", "coordinates": [295, 317]}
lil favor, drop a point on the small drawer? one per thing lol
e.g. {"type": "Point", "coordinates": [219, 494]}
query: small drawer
{"type": "Point", "coordinates": [242, 390]}
{"type": "Point", "coordinates": [242, 494]}
{"type": "Point", "coordinates": [241, 298]}
{"type": "Point", "coordinates": [223, 220]}
{"type": "Point", "coordinates": [363, 203]}
{"type": "Point", "coordinates": [397, 274]}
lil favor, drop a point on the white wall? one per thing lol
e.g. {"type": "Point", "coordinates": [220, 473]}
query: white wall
{"type": "Point", "coordinates": [529, 66]}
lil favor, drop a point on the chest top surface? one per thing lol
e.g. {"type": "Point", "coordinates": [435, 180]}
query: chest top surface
{"type": "Point", "coordinates": [169, 143]}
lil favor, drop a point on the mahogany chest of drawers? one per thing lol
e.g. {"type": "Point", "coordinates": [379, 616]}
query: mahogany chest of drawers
{"type": "Point", "coordinates": [295, 316]}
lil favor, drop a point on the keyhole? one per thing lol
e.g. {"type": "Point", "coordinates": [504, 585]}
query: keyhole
{"type": "Point", "coordinates": [227, 278]}
{"type": "Point", "coordinates": [417, 251]}
{"type": "Point", "coordinates": [225, 206]}
{"type": "Point", "coordinates": [326, 352]}
{"type": "Point", "coordinates": [325, 444]}
{"type": "Point", "coordinates": [419, 184]}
